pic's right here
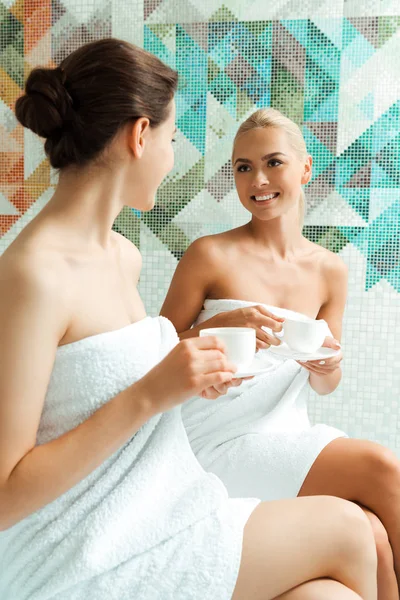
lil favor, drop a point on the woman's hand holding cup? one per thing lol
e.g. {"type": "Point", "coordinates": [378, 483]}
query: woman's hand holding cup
{"type": "Point", "coordinates": [196, 366]}
{"type": "Point", "coordinates": [256, 317]}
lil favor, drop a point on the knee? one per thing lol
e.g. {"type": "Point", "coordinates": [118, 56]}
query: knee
{"type": "Point", "coordinates": [382, 544]}
{"type": "Point", "coordinates": [384, 464]}
{"type": "Point", "coordinates": [354, 528]}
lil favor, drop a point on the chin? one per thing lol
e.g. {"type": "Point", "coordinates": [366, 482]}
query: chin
{"type": "Point", "coordinates": [148, 207]}
{"type": "Point", "coordinates": [144, 206]}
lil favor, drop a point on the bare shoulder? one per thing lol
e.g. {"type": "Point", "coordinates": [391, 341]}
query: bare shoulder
{"type": "Point", "coordinates": [127, 247]}
{"type": "Point", "coordinates": [33, 268]}
{"type": "Point", "coordinates": [206, 248]}
{"type": "Point", "coordinates": [213, 248]}
{"type": "Point", "coordinates": [38, 281]}
{"type": "Point", "coordinates": [130, 254]}
{"type": "Point", "coordinates": [331, 265]}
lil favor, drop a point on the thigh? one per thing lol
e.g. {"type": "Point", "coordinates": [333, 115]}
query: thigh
{"type": "Point", "coordinates": [289, 542]}
{"type": "Point", "coordinates": [344, 468]}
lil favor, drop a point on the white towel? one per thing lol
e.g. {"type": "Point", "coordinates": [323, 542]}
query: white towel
{"type": "Point", "coordinates": [258, 438]}
{"type": "Point", "coordinates": [149, 523]}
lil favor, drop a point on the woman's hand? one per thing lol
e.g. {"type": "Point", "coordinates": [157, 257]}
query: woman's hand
{"type": "Point", "coordinates": [196, 366]}
{"type": "Point", "coordinates": [328, 365]}
{"type": "Point", "coordinates": [252, 316]}
{"type": "Point", "coordinates": [216, 391]}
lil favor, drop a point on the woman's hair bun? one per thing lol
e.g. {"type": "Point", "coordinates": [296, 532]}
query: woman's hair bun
{"type": "Point", "coordinates": [46, 105]}
{"type": "Point", "coordinates": [98, 89]}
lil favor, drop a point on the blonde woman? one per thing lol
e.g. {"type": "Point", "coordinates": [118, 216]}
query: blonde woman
{"type": "Point", "coordinates": [258, 438]}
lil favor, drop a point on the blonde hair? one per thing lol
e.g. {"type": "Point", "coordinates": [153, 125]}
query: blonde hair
{"type": "Point", "coordinates": [270, 117]}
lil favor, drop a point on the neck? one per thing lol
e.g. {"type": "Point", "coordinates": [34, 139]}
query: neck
{"type": "Point", "coordinates": [282, 236]}
{"type": "Point", "coordinates": [87, 202]}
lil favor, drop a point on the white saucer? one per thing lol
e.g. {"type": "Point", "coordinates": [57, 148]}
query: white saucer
{"type": "Point", "coordinates": [285, 352]}
{"type": "Point", "coordinates": [257, 367]}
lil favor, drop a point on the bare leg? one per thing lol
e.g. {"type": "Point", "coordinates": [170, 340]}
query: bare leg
{"type": "Point", "coordinates": [368, 474]}
{"type": "Point", "coordinates": [287, 543]}
{"type": "Point", "coordinates": [387, 583]}
{"type": "Point", "coordinates": [321, 589]}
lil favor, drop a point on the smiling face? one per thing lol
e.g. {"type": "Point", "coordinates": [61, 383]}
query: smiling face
{"type": "Point", "coordinates": [269, 172]}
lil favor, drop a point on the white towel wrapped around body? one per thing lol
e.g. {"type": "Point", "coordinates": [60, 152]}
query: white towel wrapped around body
{"type": "Point", "coordinates": [149, 523]}
{"type": "Point", "coordinates": [258, 438]}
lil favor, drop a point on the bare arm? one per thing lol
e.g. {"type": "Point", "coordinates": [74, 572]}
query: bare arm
{"type": "Point", "coordinates": [189, 286]}
{"type": "Point", "coordinates": [33, 318]}
{"type": "Point", "coordinates": [332, 312]}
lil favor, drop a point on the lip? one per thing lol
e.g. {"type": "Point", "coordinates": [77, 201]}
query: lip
{"type": "Point", "coordinates": [264, 202]}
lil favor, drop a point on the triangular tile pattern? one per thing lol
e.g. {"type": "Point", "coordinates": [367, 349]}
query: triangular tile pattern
{"type": "Point", "coordinates": [318, 70]}
{"type": "Point", "coordinates": [296, 67]}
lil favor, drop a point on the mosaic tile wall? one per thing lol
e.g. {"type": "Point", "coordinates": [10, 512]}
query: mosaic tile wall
{"type": "Point", "coordinates": [333, 66]}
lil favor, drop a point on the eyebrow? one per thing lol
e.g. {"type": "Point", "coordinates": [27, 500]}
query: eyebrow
{"type": "Point", "coordinates": [266, 157]}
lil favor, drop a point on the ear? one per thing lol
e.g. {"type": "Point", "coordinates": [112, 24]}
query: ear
{"type": "Point", "coordinates": [307, 172]}
{"type": "Point", "coordinates": [136, 136]}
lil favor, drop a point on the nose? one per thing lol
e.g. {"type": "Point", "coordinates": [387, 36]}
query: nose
{"type": "Point", "coordinates": [260, 179]}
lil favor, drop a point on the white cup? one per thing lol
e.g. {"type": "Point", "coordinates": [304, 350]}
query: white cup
{"type": "Point", "coordinates": [303, 334]}
{"type": "Point", "coordinates": [240, 343]}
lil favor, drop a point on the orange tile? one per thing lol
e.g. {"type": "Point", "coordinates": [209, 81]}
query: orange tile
{"type": "Point", "coordinates": [12, 167]}
{"type": "Point", "coordinates": [22, 200]}
{"type": "Point", "coordinates": [39, 181]}
{"type": "Point", "coordinates": [37, 21]}
{"type": "Point", "coordinates": [9, 90]}
{"type": "Point", "coordinates": [18, 135]}
{"type": "Point", "coordinates": [17, 9]}
{"type": "Point", "coordinates": [9, 189]}
{"type": "Point", "coordinates": [7, 221]}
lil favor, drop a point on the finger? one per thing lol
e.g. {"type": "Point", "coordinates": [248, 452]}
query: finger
{"type": "Point", "coordinates": [273, 341]}
{"type": "Point", "coordinates": [210, 394]}
{"type": "Point", "coordinates": [209, 342]}
{"type": "Point", "coordinates": [267, 319]}
{"type": "Point", "coordinates": [330, 342]}
{"type": "Point", "coordinates": [264, 311]}
{"type": "Point", "coordinates": [222, 389]}
{"type": "Point", "coordinates": [262, 345]}
{"type": "Point", "coordinates": [308, 368]}
{"type": "Point", "coordinates": [236, 382]}
{"type": "Point", "coordinates": [320, 370]}
{"type": "Point", "coordinates": [328, 363]}
{"type": "Point", "coordinates": [211, 380]}
{"type": "Point", "coordinates": [262, 336]}
{"type": "Point", "coordinates": [212, 354]}
{"type": "Point", "coordinates": [214, 365]}
{"type": "Point", "coordinates": [211, 361]}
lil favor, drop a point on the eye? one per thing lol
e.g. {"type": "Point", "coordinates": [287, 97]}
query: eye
{"type": "Point", "coordinates": [173, 140]}
{"type": "Point", "coordinates": [274, 162]}
{"type": "Point", "coordinates": [243, 169]}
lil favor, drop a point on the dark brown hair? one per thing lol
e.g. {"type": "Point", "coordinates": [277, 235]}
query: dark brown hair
{"type": "Point", "coordinates": [81, 105]}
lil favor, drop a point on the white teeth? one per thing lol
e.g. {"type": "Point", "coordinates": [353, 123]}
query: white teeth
{"type": "Point", "coordinates": [269, 197]}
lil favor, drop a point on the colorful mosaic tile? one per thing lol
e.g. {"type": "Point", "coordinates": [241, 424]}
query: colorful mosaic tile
{"type": "Point", "coordinates": [331, 66]}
